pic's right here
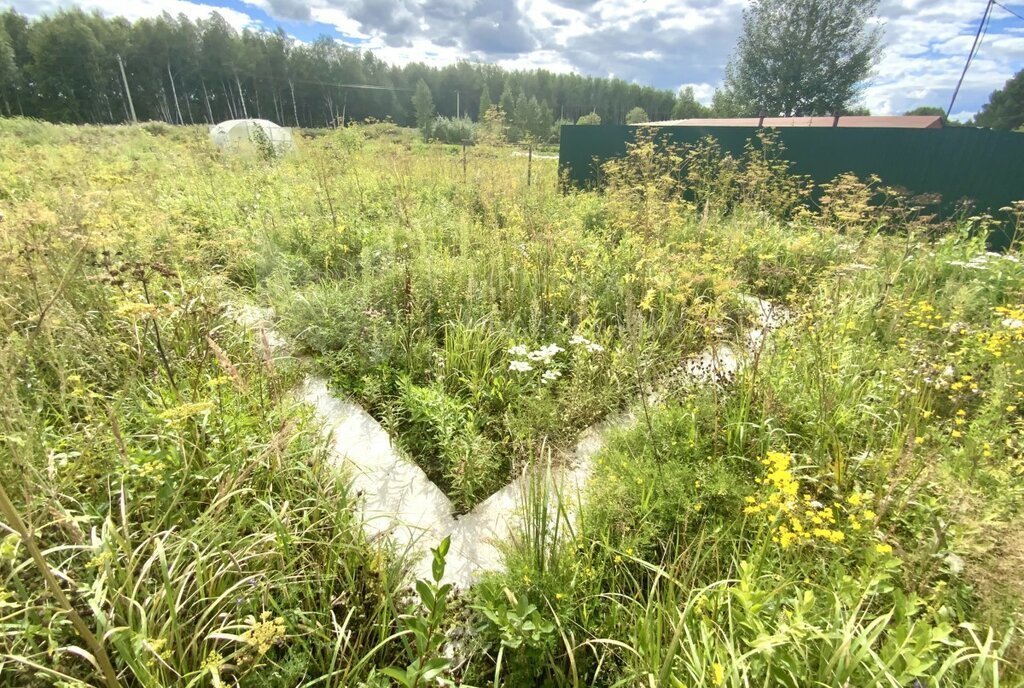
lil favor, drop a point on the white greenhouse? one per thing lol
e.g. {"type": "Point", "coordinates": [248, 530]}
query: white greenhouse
{"type": "Point", "coordinates": [246, 133]}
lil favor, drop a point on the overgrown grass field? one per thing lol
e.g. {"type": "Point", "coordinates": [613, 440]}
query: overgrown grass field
{"type": "Point", "coordinates": [844, 511]}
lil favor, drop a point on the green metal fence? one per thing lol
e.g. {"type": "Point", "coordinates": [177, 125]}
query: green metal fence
{"type": "Point", "coordinates": [983, 166]}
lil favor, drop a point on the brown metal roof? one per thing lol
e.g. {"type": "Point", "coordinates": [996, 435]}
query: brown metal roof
{"type": "Point", "coordinates": [895, 122]}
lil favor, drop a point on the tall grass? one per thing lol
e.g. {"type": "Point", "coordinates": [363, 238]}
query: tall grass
{"type": "Point", "coordinates": [173, 517]}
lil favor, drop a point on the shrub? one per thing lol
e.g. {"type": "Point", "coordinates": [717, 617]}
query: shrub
{"type": "Point", "coordinates": [451, 129]}
{"type": "Point", "coordinates": [637, 116]}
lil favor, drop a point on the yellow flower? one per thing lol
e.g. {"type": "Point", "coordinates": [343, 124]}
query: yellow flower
{"type": "Point", "coordinates": [883, 548]}
{"type": "Point", "coordinates": [956, 434]}
{"type": "Point", "coordinates": [719, 672]}
{"type": "Point", "coordinates": [918, 440]}
{"type": "Point", "coordinates": [264, 634]}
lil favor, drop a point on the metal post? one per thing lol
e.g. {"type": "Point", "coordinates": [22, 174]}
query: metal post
{"type": "Point", "coordinates": [131, 105]}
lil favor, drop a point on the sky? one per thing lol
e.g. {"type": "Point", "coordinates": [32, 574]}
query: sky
{"type": "Point", "coordinates": [665, 43]}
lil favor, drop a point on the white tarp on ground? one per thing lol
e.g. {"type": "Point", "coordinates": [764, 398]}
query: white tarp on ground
{"type": "Point", "coordinates": [243, 133]}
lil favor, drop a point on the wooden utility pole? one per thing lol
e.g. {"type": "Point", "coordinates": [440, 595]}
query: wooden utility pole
{"type": "Point", "coordinates": [127, 91]}
{"type": "Point", "coordinates": [465, 143]}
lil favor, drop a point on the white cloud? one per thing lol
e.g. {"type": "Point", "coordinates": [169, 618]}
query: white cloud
{"type": "Point", "coordinates": [138, 9]}
{"type": "Point", "coordinates": [702, 92]}
{"type": "Point", "coordinates": [659, 42]}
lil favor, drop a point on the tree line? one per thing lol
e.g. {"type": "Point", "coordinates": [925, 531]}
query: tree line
{"type": "Point", "coordinates": [66, 67]}
{"type": "Point", "coordinates": [793, 57]}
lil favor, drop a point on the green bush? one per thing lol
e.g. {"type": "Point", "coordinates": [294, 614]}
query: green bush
{"type": "Point", "coordinates": [451, 130]}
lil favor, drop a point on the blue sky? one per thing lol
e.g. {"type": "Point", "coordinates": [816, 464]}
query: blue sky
{"type": "Point", "coordinates": [665, 43]}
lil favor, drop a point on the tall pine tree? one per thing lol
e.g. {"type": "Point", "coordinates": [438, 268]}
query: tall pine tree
{"type": "Point", "coordinates": [423, 104]}
{"type": "Point", "coordinates": [485, 103]}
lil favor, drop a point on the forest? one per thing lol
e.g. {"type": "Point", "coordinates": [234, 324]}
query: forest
{"type": "Point", "coordinates": [65, 68]}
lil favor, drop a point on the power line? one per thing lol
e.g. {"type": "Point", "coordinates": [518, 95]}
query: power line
{"type": "Point", "coordinates": [982, 27]}
{"type": "Point", "coordinates": [1021, 17]}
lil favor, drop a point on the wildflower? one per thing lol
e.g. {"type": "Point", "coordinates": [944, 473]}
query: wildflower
{"type": "Point", "coordinates": [545, 353]}
{"type": "Point", "coordinates": [520, 366]}
{"type": "Point", "coordinates": [184, 411]}
{"type": "Point", "coordinates": [9, 547]}
{"type": "Point", "coordinates": [518, 350]}
{"type": "Point", "coordinates": [212, 661]}
{"type": "Point", "coordinates": [576, 340]}
{"type": "Point", "coordinates": [550, 376]}
{"type": "Point", "coordinates": [956, 434]}
{"type": "Point", "coordinates": [264, 634]}
{"type": "Point", "coordinates": [719, 673]}
{"type": "Point", "coordinates": [918, 440]}
{"type": "Point", "coordinates": [883, 548]}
